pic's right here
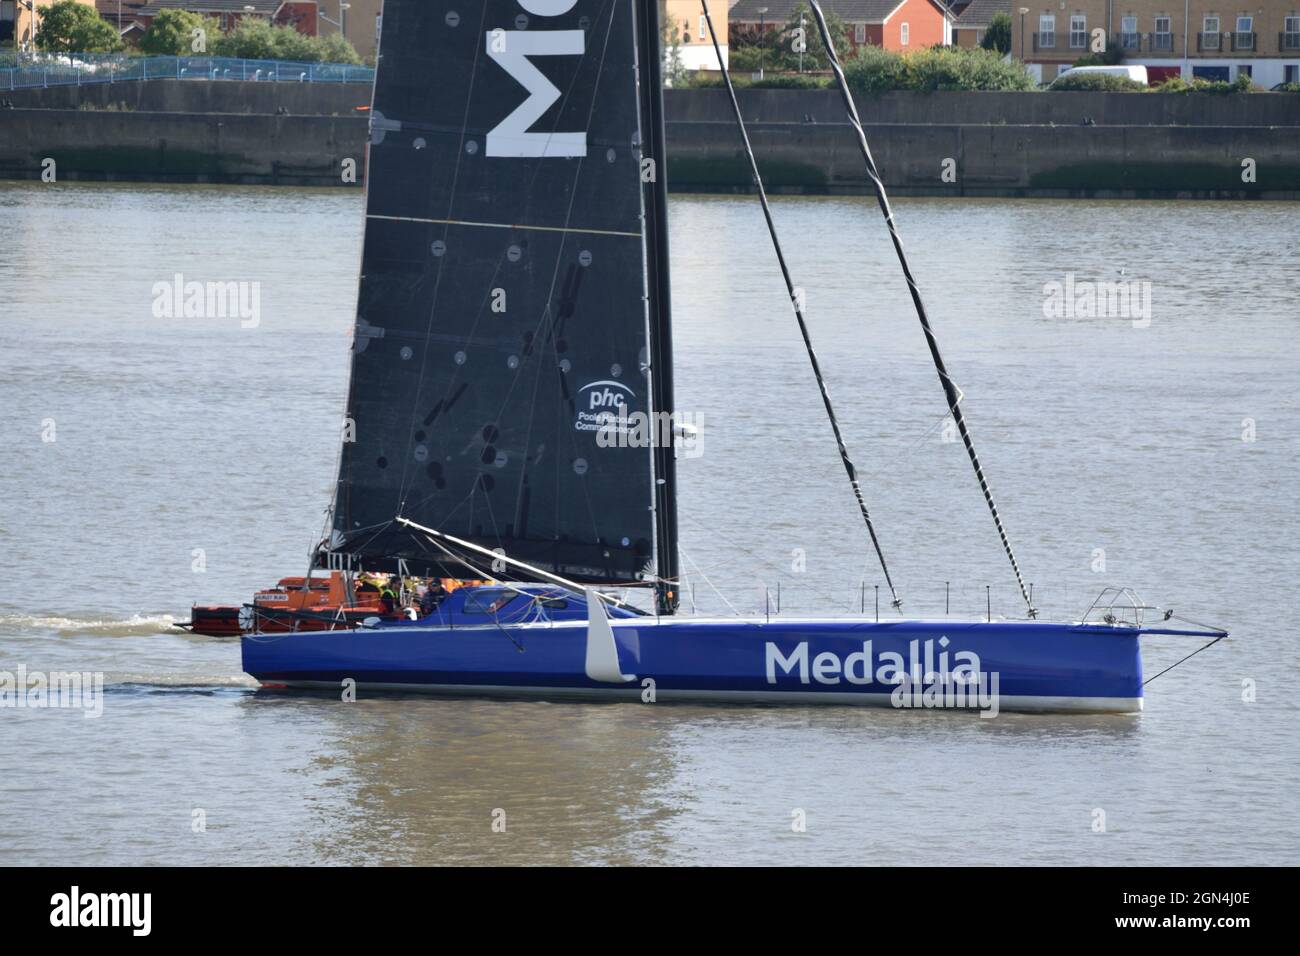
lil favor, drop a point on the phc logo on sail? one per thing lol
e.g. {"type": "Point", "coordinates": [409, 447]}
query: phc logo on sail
{"type": "Point", "coordinates": [603, 409]}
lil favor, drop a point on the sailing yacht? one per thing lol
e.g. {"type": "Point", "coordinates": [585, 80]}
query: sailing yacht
{"type": "Point", "coordinates": [513, 316]}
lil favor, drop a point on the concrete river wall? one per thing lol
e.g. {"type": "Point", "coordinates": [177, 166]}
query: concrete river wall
{"type": "Point", "coordinates": [980, 144]}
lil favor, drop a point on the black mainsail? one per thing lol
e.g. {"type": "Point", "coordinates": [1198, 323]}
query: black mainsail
{"type": "Point", "coordinates": [510, 296]}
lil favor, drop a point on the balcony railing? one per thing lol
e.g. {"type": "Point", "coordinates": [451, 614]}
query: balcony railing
{"type": "Point", "coordinates": [1161, 42]}
{"type": "Point", "coordinates": [1209, 41]}
{"type": "Point", "coordinates": [22, 71]}
{"type": "Point", "coordinates": [1288, 41]}
{"type": "Point", "coordinates": [1044, 41]}
{"type": "Point", "coordinates": [1128, 41]}
{"type": "Point", "coordinates": [1242, 41]}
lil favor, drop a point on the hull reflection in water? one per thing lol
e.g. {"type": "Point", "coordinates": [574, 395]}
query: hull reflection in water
{"type": "Point", "coordinates": [539, 643]}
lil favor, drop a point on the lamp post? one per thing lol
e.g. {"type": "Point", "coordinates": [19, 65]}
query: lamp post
{"type": "Point", "coordinates": [762, 39]}
{"type": "Point", "coordinates": [803, 40]}
{"type": "Point", "coordinates": [1023, 11]}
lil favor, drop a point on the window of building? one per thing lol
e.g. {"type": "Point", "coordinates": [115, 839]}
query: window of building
{"type": "Point", "coordinates": [1291, 73]}
{"type": "Point", "coordinates": [1128, 33]}
{"type": "Point", "coordinates": [704, 28]}
{"type": "Point", "coordinates": [1078, 32]}
{"type": "Point", "coordinates": [859, 33]}
{"type": "Point", "coordinates": [1245, 36]}
{"type": "Point", "coordinates": [904, 34]}
{"type": "Point", "coordinates": [1210, 33]}
{"type": "Point", "coordinates": [1163, 37]}
{"type": "Point", "coordinates": [1047, 32]}
{"type": "Point", "coordinates": [1291, 33]}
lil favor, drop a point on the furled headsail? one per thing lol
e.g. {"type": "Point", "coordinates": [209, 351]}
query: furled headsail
{"type": "Point", "coordinates": [504, 303]}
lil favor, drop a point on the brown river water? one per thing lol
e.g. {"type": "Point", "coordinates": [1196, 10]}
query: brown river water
{"type": "Point", "coordinates": [151, 462]}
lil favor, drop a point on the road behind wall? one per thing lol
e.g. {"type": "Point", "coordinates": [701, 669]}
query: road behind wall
{"type": "Point", "coordinates": [983, 144]}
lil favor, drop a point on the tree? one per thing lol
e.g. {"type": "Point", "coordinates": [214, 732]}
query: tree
{"type": "Point", "coordinates": [674, 70]}
{"type": "Point", "coordinates": [173, 33]}
{"type": "Point", "coordinates": [259, 40]}
{"type": "Point", "coordinates": [998, 36]}
{"type": "Point", "coordinates": [335, 49]}
{"type": "Point", "coordinates": [802, 25]}
{"type": "Point", "coordinates": [71, 27]}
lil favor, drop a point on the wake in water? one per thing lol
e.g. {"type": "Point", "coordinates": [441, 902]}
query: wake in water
{"type": "Point", "coordinates": [137, 625]}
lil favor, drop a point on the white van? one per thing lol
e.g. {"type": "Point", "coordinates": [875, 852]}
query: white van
{"type": "Point", "coordinates": [1135, 73]}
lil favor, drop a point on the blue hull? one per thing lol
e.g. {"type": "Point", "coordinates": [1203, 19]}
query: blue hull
{"type": "Point", "coordinates": [1025, 665]}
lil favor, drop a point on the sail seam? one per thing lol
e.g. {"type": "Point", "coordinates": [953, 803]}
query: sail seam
{"type": "Point", "coordinates": [505, 225]}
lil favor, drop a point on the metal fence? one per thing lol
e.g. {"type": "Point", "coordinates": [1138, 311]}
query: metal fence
{"type": "Point", "coordinates": [27, 71]}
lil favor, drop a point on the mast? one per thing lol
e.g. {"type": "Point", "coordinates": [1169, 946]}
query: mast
{"type": "Point", "coordinates": [655, 190]}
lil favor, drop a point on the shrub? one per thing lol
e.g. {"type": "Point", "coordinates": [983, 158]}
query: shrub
{"type": "Point", "coordinates": [1176, 84]}
{"type": "Point", "coordinates": [875, 70]}
{"type": "Point", "coordinates": [790, 81]}
{"type": "Point", "coordinates": [1113, 56]}
{"type": "Point", "coordinates": [744, 59]}
{"type": "Point", "coordinates": [778, 81]}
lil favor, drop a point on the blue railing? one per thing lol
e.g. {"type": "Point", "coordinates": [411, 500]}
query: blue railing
{"type": "Point", "coordinates": [27, 71]}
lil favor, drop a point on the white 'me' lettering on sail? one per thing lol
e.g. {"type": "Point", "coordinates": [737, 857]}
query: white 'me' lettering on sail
{"type": "Point", "coordinates": [511, 136]}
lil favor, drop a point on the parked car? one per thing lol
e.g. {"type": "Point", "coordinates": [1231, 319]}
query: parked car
{"type": "Point", "coordinates": [1136, 73]}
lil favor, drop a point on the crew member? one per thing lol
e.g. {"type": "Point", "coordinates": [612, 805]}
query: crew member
{"type": "Point", "coordinates": [389, 600]}
{"type": "Point", "coordinates": [432, 597]}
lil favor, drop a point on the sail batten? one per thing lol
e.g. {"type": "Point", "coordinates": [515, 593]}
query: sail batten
{"type": "Point", "coordinates": [501, 320]}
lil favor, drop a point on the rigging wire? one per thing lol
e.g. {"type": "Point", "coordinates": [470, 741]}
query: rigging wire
{"type": "Point", "coordinates": [950, 390]}
{"type": "Point", "coordinates": [705, 578]}
{"type": "Point", "coordinates": [798, 312]}
{"type": "Point", "coordinates": [1204, 647]}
